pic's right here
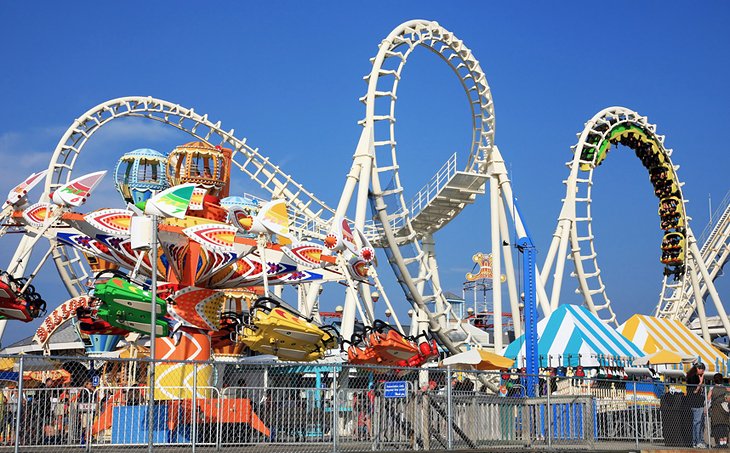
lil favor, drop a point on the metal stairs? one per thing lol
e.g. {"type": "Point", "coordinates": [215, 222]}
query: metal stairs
{"type": "Point", "coordinates": [439, 201]}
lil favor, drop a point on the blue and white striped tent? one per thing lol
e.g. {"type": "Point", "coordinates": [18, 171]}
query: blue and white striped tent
{"type": "Point", "coordinates": [573, 336]}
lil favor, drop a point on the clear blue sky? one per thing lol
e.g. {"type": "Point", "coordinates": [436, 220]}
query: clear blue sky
{"type": "Point", "coordinates": [287, 76]}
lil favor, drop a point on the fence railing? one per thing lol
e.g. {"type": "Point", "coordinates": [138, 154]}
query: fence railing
{"type": "Point", "coordinates": [97, 404]}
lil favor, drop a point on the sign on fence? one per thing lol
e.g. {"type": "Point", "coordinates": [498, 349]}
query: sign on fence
{"type": "Point", "coordinates": [395, 389]}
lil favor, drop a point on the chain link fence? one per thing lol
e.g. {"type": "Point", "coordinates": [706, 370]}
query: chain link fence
{"type": "Point", "coordinates": [80, 403]}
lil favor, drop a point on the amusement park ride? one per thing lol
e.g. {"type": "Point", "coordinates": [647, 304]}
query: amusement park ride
{"type": "Point", "coordinates": [222, 259]}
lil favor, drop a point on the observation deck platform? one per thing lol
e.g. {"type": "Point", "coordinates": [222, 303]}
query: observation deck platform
{"type": "Point", "coordinates": [447, 193]}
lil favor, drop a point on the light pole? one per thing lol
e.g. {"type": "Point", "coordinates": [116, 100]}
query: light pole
{"type": "Point", "coordinates": [172, 202]}
{"type": "Point", "coordinates": [153, 335]}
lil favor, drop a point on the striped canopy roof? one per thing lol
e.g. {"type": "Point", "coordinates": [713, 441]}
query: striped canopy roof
{"type": "Point", "coordinates": [654, 334]}
{"type": "Point", "coordinates": [573, 336]}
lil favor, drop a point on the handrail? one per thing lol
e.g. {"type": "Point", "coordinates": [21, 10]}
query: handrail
{"type": "Point", "coordinates": [420, 200]}
{"type": "Point", "coordinates": [713, 222]}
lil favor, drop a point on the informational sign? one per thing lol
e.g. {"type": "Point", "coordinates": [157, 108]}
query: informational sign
{"type": "Point", "coordinates": [395, 389]}
{"type": "Point", "coordinates": [95, 381]}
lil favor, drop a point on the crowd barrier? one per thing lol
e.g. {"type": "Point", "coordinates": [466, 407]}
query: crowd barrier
{"type": "Point", "coordinates": [100, 404]}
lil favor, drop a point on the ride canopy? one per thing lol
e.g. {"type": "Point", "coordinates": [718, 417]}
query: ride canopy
{"type": "Point", "coordinates": [573, 336]}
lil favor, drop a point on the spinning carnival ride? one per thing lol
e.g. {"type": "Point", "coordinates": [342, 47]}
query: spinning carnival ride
{"type": "Point", "coordinates": [220, 253]}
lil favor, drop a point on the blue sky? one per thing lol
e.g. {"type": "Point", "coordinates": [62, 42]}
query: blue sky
{"type": "Point", "coordinates": [287, 75]}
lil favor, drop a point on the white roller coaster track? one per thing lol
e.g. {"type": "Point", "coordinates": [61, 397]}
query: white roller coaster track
{"type": "Point", "coordinates": [575, 227]}
{"type": "Point", "coordinates": [715, 251]}
{"type": "Point", "coordinates": [375, 171]}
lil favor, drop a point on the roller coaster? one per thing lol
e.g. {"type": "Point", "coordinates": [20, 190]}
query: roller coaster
{"type": "Point", "coordinates": [224, 257]}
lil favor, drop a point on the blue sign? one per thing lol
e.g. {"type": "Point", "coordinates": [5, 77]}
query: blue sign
{"type": "Point", "coordinates": [95, 381]}
{"type": "Point", "coordinates": [396, 389]}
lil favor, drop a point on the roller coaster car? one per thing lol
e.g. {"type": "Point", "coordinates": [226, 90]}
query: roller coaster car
{"type": "Point", "coordinates": [128, 306]}
{"type": "Point", "coordinates": [662, 179]}
{"type": "Point", "coordinates": [24, 306]}
{"type": "Point", "coordinates": [675, 271]}
{"type": "Point", "coordinates": [276, 329]}
{"type": "Point", "coordinates": [674, 222]}
{"type": "Point", "coordinates": [673, 241]}
{"type": "Point", "coordinates": [652, 159]}
{"type": "Point", "coordinates": [662, 182]}
{"type": "Point", "coordinates": [665, 191]}
{"type": "Point", "coordinates": [661, 170]}
{"type": "Point", "coordinates": [629, 135]}
{"type": "Point", "coordinates": [670, 206]}
{"type": "Point", "coordinates": [673, 257]}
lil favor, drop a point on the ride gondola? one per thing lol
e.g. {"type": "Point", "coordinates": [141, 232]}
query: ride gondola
{"type": "Point", "coordinates": [128, 305]}
{"type": "Point", "coordinates": [17, 302]}
{"type": "Point", "coordinates": [381, 344]}
{"type": "Point", "coordinates": [276, 329]}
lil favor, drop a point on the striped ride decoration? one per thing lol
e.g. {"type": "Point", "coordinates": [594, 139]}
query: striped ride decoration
{"type": "Point", "coordinates": [174, 381]}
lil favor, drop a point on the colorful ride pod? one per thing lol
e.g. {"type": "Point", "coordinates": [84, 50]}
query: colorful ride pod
{"type": "Point", "coordinates": [128, 306]}
{"type": "Point", "coordinates": [278, 330]}
{"type": "Point", "coordinates": [14, 304]}
{"type": "Point", "coordinates": [89, 323]}
{"type": "Point", "coordinates": [381, 344]}
{"type": "Point", "coordinates": [203, 164]}
{"type": "Point", "coordinates": [139, 174]}
{"type": "Point", "coordinates": [389, 344]}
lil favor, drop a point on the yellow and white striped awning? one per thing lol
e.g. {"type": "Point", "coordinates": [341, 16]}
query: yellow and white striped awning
{"type": "Point", "coordinates": [656, 334]}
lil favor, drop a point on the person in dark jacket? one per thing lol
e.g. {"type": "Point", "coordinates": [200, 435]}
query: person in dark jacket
{"type": "Point", "coordinates": [719, 414]}
{"type": "Point", "coordinates": [696, 400]}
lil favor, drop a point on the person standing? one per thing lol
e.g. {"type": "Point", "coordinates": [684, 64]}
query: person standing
{"type": "Point", "coordinates": [719, 411]}
{"type": "Point", "coordinates": [696, 400]}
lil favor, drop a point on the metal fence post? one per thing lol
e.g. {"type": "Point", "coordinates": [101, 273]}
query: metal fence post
{"type": "Point", "coordinates": [151, 396]}
{"type": "Point", "coordinates": [449, 413]}
{"type": "Point", "coordinates": [636, 416]}
{"type": "Point", "coordinates": [194, 430]}
{"type": "Point", "coordinates": [19, 409]}
{"type": "Point", "coordinates": [549, 414]}
{"type": "Point", "coordinates": [93, 399]}
{"type": "Point", "coordinates": [335, 410]}
{"type": "Point", "coordinates": [219, 422]}
{"type": "Point", "coordinates": [707, 424]}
